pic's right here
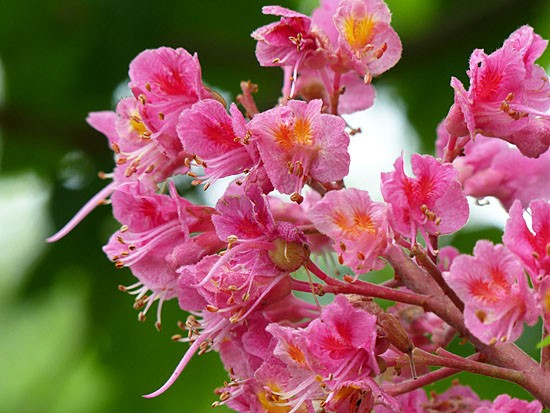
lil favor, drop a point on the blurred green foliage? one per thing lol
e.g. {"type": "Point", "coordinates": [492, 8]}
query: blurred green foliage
{"type": "Point", "coordinates": [71, 341]}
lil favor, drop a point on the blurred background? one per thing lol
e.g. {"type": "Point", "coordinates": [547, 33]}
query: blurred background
{"type": "Point", "coordinates": [70, 340]}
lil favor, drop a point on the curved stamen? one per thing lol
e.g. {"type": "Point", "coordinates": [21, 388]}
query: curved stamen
{"type": "Point", "coordinates": [143, 250]}
{"type": "Point", "coordinates": [146, 235]}
{"type": "Point", "coordinates": [195, 346]}
{"type": "Point", "coordinates": [225, 165]}
{"type": "Point", "coordinates": [264, 293]}
{"type": "Point", "coordinates": [294, 392]}
{"type": "Point", "coordinates": [88, 207]}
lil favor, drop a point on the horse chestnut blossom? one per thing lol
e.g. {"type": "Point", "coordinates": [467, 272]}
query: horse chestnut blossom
{"type": "Point", "coordinates": [493, 286]}
{"type": "Point", "coordinates": [298, 143]}
{"type": "Point", "coordinates": [357, 225]}
{"type": "Point", "coordinates": [366, 42]}
{"type": "Point", "coordinates": [290, 42]}
{"type": "Point", "coordinates": [155, 229]}
{"type": "Point", "coordinates": [341, 345]}
{"type": "Point", "coordinates": [248, 273]}
{"type": "Point", "coordinates": [432, 203]}
{"type": "Point", "coordinates": [165, 81]}
{"type": "Point", "coordinates": [455, 399]}
{"type": "Point", "coordinates": [209, 132]}
{"type": "Point", "coordinates": [508, 95]}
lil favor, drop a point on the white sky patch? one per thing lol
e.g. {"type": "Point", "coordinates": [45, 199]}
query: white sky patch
{"type": "Point", "coordinates": [121, 91]}
{"type": "Point", "coordinates": [488, 212]}
{"type": "Point", "coordinates": [216, 190]}
{"type": "Point", "coordinates": [385, 134]}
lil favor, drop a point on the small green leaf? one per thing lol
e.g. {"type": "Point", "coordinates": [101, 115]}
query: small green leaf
{"type": "Point", "coordinates": [545, 342]}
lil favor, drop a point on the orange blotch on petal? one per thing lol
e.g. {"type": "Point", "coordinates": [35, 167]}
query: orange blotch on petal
{"type": "Point", "coordinates": [297, 355]}
{"type": "Point", "coordinates": [299, 134]}
{"type": "Point", "coordinates": [354, 225]}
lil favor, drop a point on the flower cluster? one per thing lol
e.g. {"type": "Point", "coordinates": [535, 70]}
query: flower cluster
{"type": "Point", "coordinates": [234, 268]}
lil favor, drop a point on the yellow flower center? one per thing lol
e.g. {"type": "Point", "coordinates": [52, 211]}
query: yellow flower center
{"type": "Point", "coordinates": [270, 401]}
{"type": "Point", "coordinates": [359, 32]}
{"type": "Point", "coordinates": [296, 354]}
{"type": "Point", "coordinates": [136, 123]}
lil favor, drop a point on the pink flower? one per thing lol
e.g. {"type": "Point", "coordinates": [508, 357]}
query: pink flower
{"type": "Point", "coordinates": [289, 42]}
{"type": "Point", "coordinates": [239, 286]}
{"type": "Point", "coordinates": [357, 225]}
{"type": "Point", "coordinates": [367, 42]}
{"type": "Point", "coordinates": [233, 288]}
{"type": "Point", "coordinates": [334, 358]}
{"type": "Point", "coordinates": [260, 380]}
{"type": "Point", "coordinates": [243, 352]}
{"type": "Point", "coordinates": [334, 58]}
{"type": "Point", "coordinates": [264, 390]}
{"type": "Point", "coordinates": [254, 269]}
{"type": "Point", "coordinates": [154, 226]}
{"type": "Point", "coordinates": [248, 346]}
{"type": "Point", "coordinates": [531, 245]}
{"type": "Point", "coordinates": [138, 154]}
{"type": "Point", "coordinates": [362, 45]}
{"type": "Point", "coordinates": [433, 202]}
{"type": "Point", "coordinates": [495, 293]}
{"type": "Point", "coordinates": [208, 131]}
{"type": "Point", "coordinates": [323, 18]}
{"type": "Point", "coordinates": [456, 399]}
{"type": "Point", "coordinates": [244, 216]}
{"type": "Point", "coordinates": [343, 341]}
{"type": "Point", "coordinates": [230, 288]}
{"type": "Point", "coordinates": [507, 404]}
{"type": "Point", "coordinates": [508, 95]}
{"type": "Point", "coordinates": [273, 378]}
{"type": "Point", "coordinates": [165, 81]}
{"type": "Point", "coordinates": [245, 221]}
{"type": "Point", "coordinates": [298, 143]}
{"type": "Point", "coordinates": [291, 346]}
{"type": "Point", "coordinates": [484, 171]}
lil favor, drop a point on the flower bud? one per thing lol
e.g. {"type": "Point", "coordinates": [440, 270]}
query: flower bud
{"type": "Point", "coordinates": [288, 256]}
{"type": "Point", "coordinates": [395, 332]}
